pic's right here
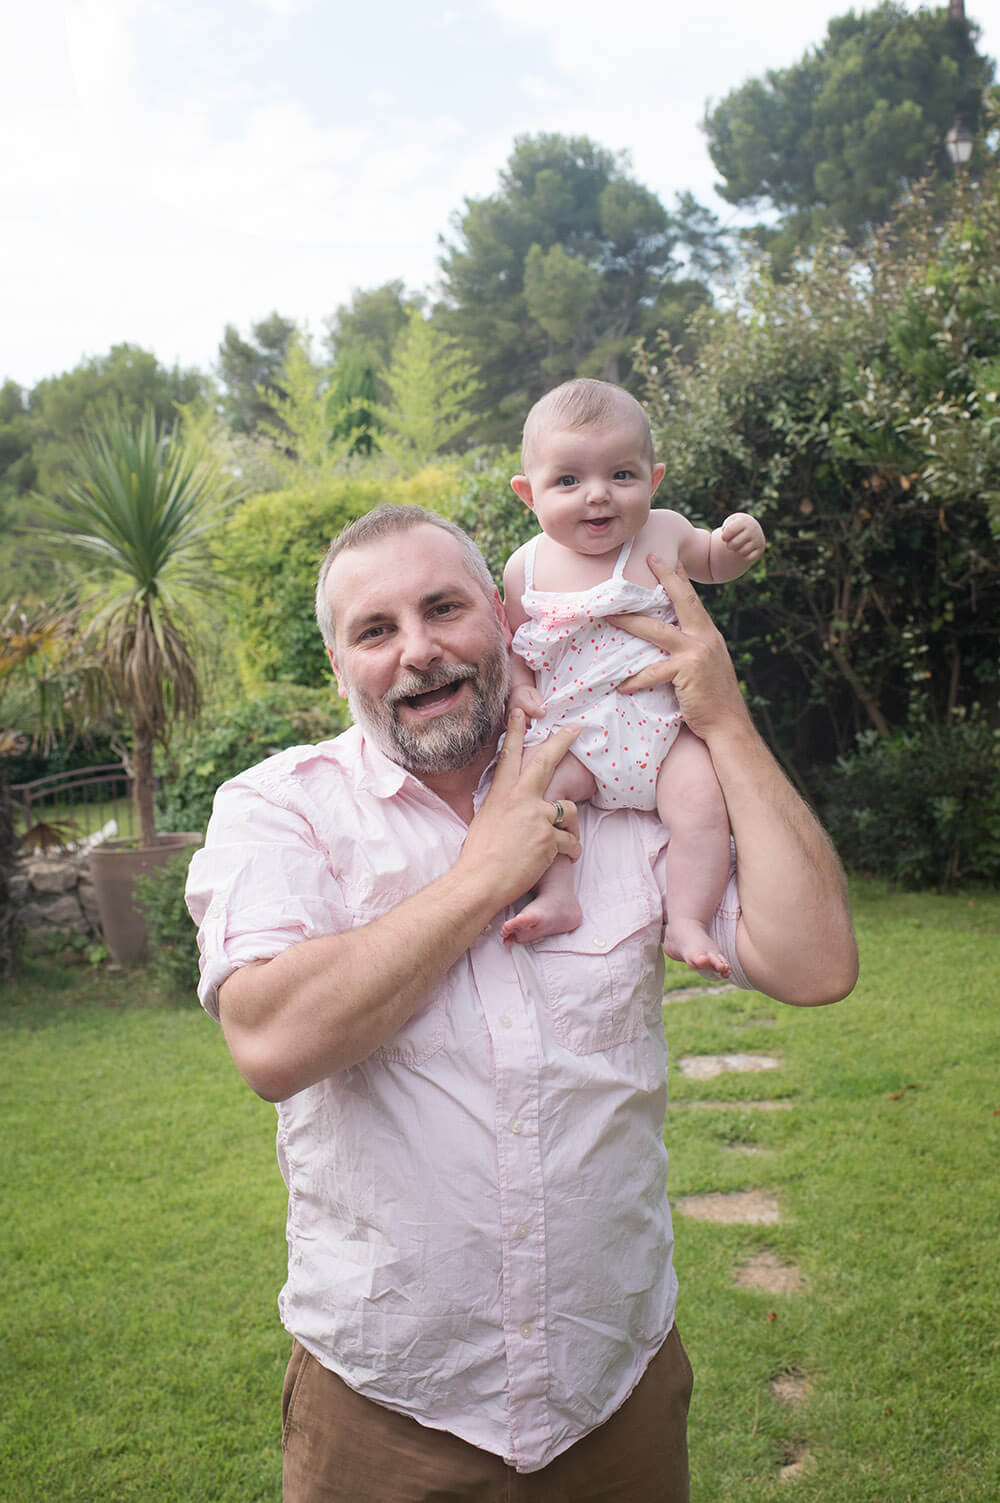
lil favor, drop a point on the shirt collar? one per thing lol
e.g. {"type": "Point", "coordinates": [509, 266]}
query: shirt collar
{"type": "Point", "coordinates": [383, 778]}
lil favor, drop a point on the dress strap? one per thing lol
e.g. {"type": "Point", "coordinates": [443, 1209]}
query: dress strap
{"type": "Point", "coordinates": [622, 559]}
{"type": "Point", "coordinates": [529, 562]}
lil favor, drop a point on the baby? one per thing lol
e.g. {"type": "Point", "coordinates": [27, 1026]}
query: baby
{"type": "Point", "coordinates": [589, 477]}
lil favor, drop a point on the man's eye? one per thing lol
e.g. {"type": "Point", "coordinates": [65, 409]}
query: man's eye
{"type": "Point", "coordinates": [445, 609]}
{"type": "Point", "coordinates": [371, 633]}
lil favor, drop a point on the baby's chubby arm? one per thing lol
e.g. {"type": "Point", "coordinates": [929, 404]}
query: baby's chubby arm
{"type": "Point", "coordinates": [523, 694]}
{"type": "Point", "coordinates": [709, 557]}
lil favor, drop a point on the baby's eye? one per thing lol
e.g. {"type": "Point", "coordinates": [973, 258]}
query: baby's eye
{"type": "Point", "coordinates": [566, 480]}
{"type": "Point", "coordinates": [624, 475]}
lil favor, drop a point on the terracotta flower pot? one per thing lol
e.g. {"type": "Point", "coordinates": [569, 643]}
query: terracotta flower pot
{"type": "Point", "coordinates": [114, 867]}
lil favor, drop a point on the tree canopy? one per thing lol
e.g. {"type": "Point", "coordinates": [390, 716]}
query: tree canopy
{"type": "Point", "coordinates": [250, 368]}
{"type": "Point", "coordinates": [835, 139]}
{"type": "Point", "coordinates": [558, 273]}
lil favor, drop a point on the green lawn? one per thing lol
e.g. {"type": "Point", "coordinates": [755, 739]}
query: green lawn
{"type": "Point", "coordinates": [142, 1240]}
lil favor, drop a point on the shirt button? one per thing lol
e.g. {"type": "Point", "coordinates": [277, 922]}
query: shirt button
{"type": "Point", "coordinates": [599, 942]}
{"type": "Point", "coordinates": [526, 1331]}
{"type": "Point", "coordinates": [521, 1232]}
{"type": "Point", "coordinates": [487, 930]}
{"type": "Point", "coordinates": [516, 1126]}
{"type": "Point", "coordinates": [506, 1020]}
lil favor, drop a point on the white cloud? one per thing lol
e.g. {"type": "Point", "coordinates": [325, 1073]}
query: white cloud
{"type": "Point", "coordinates": [143, 219]}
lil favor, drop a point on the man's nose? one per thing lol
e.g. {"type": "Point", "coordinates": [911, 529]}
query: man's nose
{"type": "Point", "coordinates": [420, 647]}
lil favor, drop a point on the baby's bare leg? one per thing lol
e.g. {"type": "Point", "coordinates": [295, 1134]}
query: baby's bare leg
{"type": "Point", "coordinates": [554, 908]}
{"type": "Point", "coordinates": [691, 806]}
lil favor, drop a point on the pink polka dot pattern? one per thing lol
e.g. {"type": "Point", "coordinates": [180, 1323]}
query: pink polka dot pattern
{"type": "Point", "coordinates": [578, 659]}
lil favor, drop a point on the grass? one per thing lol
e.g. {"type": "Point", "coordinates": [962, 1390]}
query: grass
{"type": "Point", "coordinates": [142, 1251]}
{"type": "Point", "coordinates": [886, 1174]}
{"type": "Point", "coordinates": [143, 1244]}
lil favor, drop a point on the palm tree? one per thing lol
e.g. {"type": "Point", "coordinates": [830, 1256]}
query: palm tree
{"type": "Point", "coordinates": [139, 504]}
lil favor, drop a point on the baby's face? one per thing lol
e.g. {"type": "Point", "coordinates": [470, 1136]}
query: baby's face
{"type": "Point", "coordinates": [590, 488]}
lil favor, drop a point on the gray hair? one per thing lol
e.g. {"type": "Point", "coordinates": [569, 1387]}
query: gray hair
{"type": "Point", "coordinates": [584, 403]}
{"type": "Point", "coordinates": [388, 521]}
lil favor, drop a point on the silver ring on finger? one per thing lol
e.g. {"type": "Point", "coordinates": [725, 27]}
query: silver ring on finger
{"type": "Point", "coordinates": [557, 823]}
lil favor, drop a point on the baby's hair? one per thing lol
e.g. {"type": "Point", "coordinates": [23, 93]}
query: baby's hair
{"type": "Point", "coordinates": [584, 403]}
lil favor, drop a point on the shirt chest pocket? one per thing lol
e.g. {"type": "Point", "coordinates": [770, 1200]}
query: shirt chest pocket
{"type": "Point", "coordinates": [602, 983]}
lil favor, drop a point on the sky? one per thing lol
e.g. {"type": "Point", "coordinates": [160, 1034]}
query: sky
{"type": "Point", "coordinates": [171, 166]}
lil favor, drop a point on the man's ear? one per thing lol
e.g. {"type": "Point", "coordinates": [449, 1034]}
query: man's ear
{"type": "Point", "coordinates": [521, 486]}
{"type": "Point", "coordinates": [341, 686]}
{"type": "Point", "coordinates": [501, 616]}
{"type": "Point", "coordinates": [659, 470]}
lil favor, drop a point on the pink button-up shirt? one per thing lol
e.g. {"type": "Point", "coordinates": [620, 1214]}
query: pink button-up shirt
{"type": "Point", "coordinates": [478, 1227]}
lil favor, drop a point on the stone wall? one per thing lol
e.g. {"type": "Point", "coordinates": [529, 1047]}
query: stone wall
{"type": "Point", "coordinates": [56, 899]}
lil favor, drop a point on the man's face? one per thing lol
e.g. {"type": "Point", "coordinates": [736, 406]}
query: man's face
{"type": "Point", "coordinates": [420, 651]}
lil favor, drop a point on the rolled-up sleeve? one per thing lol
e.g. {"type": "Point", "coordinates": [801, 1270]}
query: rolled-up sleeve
{"type": "Point", "coordinates": [262, 882]}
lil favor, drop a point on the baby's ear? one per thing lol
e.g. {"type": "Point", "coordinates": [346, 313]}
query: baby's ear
{"type": "Point", "coordinates": [521, 486]}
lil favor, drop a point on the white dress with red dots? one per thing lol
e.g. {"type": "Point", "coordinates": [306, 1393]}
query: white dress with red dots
{"type": "Point", "coordinates": [578, 658]}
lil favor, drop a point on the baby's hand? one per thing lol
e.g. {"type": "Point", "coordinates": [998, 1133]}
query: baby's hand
{"type": "Point", "coordinates": [744, 536]}
{"type": "Point", "coordinates": [527, 698]}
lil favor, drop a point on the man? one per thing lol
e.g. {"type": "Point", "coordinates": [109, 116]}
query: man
{"type": "Point", "coordinates": [480, 1282]}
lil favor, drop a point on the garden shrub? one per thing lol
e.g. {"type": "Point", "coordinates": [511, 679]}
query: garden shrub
{"type": "Point", "coordinates": [921, 808]}
{"type": "Point", "coordinates": [855, 410]}
{"type": "Point", "coordinates": [171, 937]}
{"type": "Point", "coordinates": [231, 740]}
{"type": "Point", "coordinates": [488, 510]}
{"type": "Point", "coordinates": [271, 548]}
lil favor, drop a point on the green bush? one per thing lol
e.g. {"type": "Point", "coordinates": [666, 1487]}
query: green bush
{"type": "Point", "coordinates": [921, 808]}
{"type": "Point", "coordinates": [488, 510]}
{"type": "Point", "coordinates": [231, 740]}
{"type": "Point", "coordinates": [171, 938]}
{"type": "Point", "coordinates": [271, 549]}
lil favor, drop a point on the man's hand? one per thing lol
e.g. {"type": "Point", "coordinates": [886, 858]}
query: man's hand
{"type": "Point", "coordinates": [513, 839]}
{"type": "Point", "coordinates": [698, 666]}
{"type": "Point", "coordinates": [743, 535]}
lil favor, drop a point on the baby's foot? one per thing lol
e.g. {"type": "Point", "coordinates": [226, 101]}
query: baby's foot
{"type": "Point", "coordinates": [687, 940]}
{"type": "Point", "coordinates": [545, 914]}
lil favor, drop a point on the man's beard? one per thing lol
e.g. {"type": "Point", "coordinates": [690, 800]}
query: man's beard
{"type": "Point", "coordinates": [449, 741]}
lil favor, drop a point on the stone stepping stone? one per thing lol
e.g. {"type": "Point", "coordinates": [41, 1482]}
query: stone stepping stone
{"type": "Point", "coordinates": [744, 1207]}
{"type": "Point", "coordinates": [704, 1066]}
{"type": "Point", "coordinates": [797, 1459]}
{"type": "Point", "coordinates": [731, 1106]}
{"type": "Point", "coordinates": [765, 1270]}
{"type": "Point", "coordinates": [790, 1388]}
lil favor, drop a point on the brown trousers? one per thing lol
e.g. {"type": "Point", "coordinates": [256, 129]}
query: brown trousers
{"type": "Point", "coordinates": [342, 1448]}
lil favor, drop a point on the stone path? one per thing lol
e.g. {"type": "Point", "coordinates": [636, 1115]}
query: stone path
{"type": "Point", "coordinates": [764, 1270]}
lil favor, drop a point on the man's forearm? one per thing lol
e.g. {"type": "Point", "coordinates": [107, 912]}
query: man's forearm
{"type": "Point", "coordinates": [795, 939]}
{"type": "Point", "coordinates": [326, 1003]}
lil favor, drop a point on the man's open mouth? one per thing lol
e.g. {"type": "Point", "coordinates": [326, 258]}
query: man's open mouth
{"type": "Point", "coordinates": [434, 697]}
{"type": "Point", "coordinates": [430, 701]}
